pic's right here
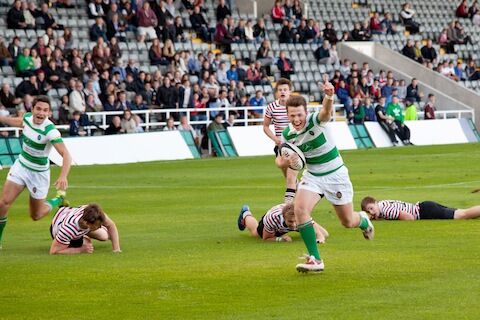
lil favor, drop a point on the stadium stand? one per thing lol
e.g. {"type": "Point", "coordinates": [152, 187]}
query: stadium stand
{"type": "Point", "coordinates": [101, 41]}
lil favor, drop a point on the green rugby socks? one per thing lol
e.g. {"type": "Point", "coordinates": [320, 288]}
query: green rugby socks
{"type": "Point", "coordinates": [3, 223]}
{"type": "Point", "coordinates": [363, 223]}
{"type": "Point", "coordinates": [307, 231]}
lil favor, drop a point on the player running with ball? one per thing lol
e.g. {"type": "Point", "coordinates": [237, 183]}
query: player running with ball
{"type": "Point", "coordinates": [32, 168]}
{"type": "Point", "coordinates": [325, 175]}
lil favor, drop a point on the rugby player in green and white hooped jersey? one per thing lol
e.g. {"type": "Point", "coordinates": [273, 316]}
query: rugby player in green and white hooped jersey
{"type": "Point", "coordinates": [325, 175]}
{"type": "Point", "coordinates": [32, 169]}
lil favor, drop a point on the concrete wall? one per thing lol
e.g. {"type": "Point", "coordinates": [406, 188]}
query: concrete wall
{"type": "Point", "coordinates": [449, 94]}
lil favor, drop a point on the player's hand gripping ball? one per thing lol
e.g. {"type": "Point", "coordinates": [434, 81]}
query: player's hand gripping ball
{"type": "Point", "coordinates": [295, 156]}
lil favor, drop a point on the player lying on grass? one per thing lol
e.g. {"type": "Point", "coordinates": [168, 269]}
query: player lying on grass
{"type": "Point", "coordinates": [399, 210]}
{"type": "Point", "coordinates": [73, 228]}
{"type": "Point", "coordinates": [32, 168]}
{"type": "Point", "coordinates": [275, 224]}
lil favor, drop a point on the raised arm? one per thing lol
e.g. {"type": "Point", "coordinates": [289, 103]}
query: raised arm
{"type": "Point", "coordinates": [12, 122]}
{"type": "Point", "coordinates": [62, 182]}
{"type": "Point", "coordinates": [326, 113]}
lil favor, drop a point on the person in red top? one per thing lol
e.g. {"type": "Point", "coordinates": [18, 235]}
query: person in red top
{"type": "Point", "coordinates": [375, 24]}
{"type": "Point", "coordinates": [147, 22]}
{"type": "Point", "coordinates": [430, 108]}
{"type": "Point", "coordinates": [462, 10]}
{"type": "Point", "coordinates": [278, 12]}
{"type": "Point", "coordinates": [285, 66]}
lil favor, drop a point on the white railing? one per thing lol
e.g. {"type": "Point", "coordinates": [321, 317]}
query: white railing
{"type": "Point", "coordinates": [152, 122]}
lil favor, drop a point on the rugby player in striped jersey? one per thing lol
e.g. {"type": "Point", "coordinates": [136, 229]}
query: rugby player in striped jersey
{"type": "Point", "coordinates": [32, 170]}
{"type": "Point", "coordinates": [399, 210]}
{"type": "Point", "coordinates": [275, 224]}
{"type": "Point", "coordinates": [276, 114]}
{"type": "Point", "coordinates": [73, 228]}
{"type": "Point", "coordinates": [325, 175]}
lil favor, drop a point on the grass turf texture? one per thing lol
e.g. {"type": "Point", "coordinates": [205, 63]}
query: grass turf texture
{"type": "Point", "coordinates": [184, 258]}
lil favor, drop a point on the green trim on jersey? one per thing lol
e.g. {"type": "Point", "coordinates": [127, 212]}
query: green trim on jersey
{"type": "Point", "coordinates": [313, 144]}
{"type": "Point", "coordinates": [33, 144]}
{"type": "Point", "coordinates": [37, 160]}
{"type": "Point", "coordinates": [294, 135]}
{"type": "Point", "coordinates": [326, 157]}
{"type": "Point", "coordinates": [55, 141]}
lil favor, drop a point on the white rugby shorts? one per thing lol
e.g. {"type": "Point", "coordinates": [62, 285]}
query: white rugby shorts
{"type": "Point", "coordinates": [335, 187]}
{"type": "Point", "coordinates": [37, 183]}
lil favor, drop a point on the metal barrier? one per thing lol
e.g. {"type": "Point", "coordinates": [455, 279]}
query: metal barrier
{"type": "Point", "coordinates": [151, 117]}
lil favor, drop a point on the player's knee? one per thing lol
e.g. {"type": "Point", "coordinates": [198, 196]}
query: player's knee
{"type": "Point", "coordinates": [5, 203]}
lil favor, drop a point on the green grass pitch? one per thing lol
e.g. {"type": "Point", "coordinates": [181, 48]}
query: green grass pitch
{"type": "Point", "coordinates": [184, 258]}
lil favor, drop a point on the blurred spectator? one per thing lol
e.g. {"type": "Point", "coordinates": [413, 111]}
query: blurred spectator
{"type": "Point", "coordinates": [388, 25]}
{"type": "Point", "coordinates": [241, 72]}
{"type": "Point", "coordinates": [249, 32]}
{"type": "Point", "coordinates": [387, 89]}
{"type": "Point", "coordinates": [138, 103]}
{"type": "Point", "coordinates": [167, 97]}
{"type": "Point", "coordinates": [48, 19]}
{"type": "Point", "coordinates": [329, 33]}
{"type": "Point", "coordinates": [5, 55]}
{"type": "Point", "coordinates": [185, 126]}
{"type": "Point", "coordinates": [445, 69]}
{"type": "Point", "coordinates": [459, 35]}
{"type": "Point", "coordinates": [199, 23]}
{"type": "Point", "coordinates": [326, 54]}
{"type": "Point", "coordinates": [170, 125]}
{"type": "Point", "coordinates": [297, 9]}
{"type": "Point", "coordinates": [77, 98]}
{"type": "Point", "coordinates": [430, 108]}
{"type": "Point", "coordinates": [122, 103]}
{"type": "Point", "coordinates": [239, 32]}
{"type": "Point", "coordinates": [476, 19]}
{"type": "Point", "coordinates": [232, 73]}
{"type": "Point", "coordinates": [401, 89]}
{"type": "Point", "coordinates": [115, 126]}
{"type": "Point", "coordinates": [394, 110]}
{"type": "Point", "coordinates": [257, 101]}
{"type": "Point", "coordinates": [222, 74]}
{"type": "Point", "coordinates": [287, 34]}
{"type": "Point", "coordinates": [385, 121]}
{"type": "Point", "coordinates": [95, 9]}
{"type": "Point", "coordinates": [185, 95]}
{"type": "Point", "coordinates": [278, 12]}
{"type": "Point", "coordinates": [15, 18]}
{"type": "Point", "coordinates": [155, 54]}
{"type": "Point", "coordinates": [410, 110]}
{"type": "Point", "coordinates": [462, 10]}
{"type": "Point", "coordinates": [64, 110]}
{"type": "Point", "coordinates": [358, 33]}
{"type": "Point", "coordinates": [28, 17]}
{"type": "Point", "coordinates": [376, 24]}
{"type": "Point", "coordinates": [259, 31]}
{"type": "Point", "coordinates": [28, 86]}
{"type": "Point", "coordinates": [168, 50]}
{"type": "Point", "coordinates": [7, 98]}
{"type": "Point", "coordinates": [343, 95]}
{"type": "Point", "coordinates": [222, 35]}
{"type": "Point", "coordinates": [147, 22]}
{"type": "Point", "coordinates": [24, 64]}
{"type": "Point", "coordinates": [285, 66]}
{"type": "Point", "coordinates": [409, 50]}
{"type": "Point", "coordinates": [459, 71]}
{"type": "Point", "coordinates": [265, 55]}
{"type": "Point", "coordinates": [356, 89]}
{"type": "Point", "coordinates": [222, 10]}
{"type": "Point", "coordinates": [98, 30]}
{"type": "Point", "coordinates": [216, 124]}
{"type": "Point", "coordinates": [14, 48]}
{"type": "Point", "coordinates": [369, 110]}
{"type": "Point", "coordinates": [230, 121]}
{"type": "Point", "coordinates": [413, 92]}
{"type": "Point", "coordinates": [116, 28]}
{"type": "Point", "coordinates": [406, 16]}
{"type": "Point", "coordinates": [76, 130]}
{"type": "Point", "coordinates": [27, 104]}
{"type": "Point", "coordinates": [472, 71]}
{"type": "Point", "coordinates": [473, 10]}
{"type": "Point", "coordinates": [429, 53]}
{"type": "Point", "coordinates": [358, 112]}
{"type": "Point", "coordinates": [128, 123]}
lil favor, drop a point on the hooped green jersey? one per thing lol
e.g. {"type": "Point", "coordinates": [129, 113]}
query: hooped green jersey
{"type": "Point", "coordinates": [321, 154]}
{"type": "Point", "coordinates": [37, 142]}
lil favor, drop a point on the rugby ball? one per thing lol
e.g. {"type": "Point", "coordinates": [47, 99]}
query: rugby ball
{"type": "Point", "coordinates": [288, 149]}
